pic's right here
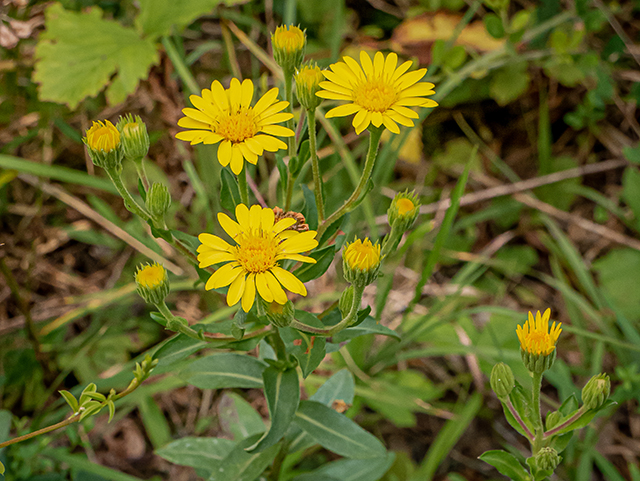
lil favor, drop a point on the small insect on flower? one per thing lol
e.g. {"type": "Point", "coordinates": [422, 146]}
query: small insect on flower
{"type": "Point", "coordinates": [534, 335]}
{"type": "Point", "coordinates": [378, 92]}
{"type": "Point", "coordinates": [254, 262]}
{"type": "Point", "coordinates": [226, 116]}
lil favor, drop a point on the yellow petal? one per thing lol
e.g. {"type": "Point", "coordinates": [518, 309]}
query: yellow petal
{"type": "Point", "coordinates": [236, 289]}
{"type": "Point", "coordinates": [269, 143]}
{"type": "Point", "coordinates": [212, 138]}
{"type": "Point", "coordinates": [249, 293]}
{"type": "Point", "coordinates": [247, 93]}
{"type": "Point", "coordinates": [236, 160]}
{"type": "Point", "coordinates": [231, 227]}
{"type": "Point", "coordinates": [390, 124]}
{"type": "Point", "coordinates": [263, 287]}
{"type": "Point", "coordinates": [247, 154]}
{"type": "Point", "coordinates": [255, 217]}
{"type": "Point", "coordinates": [198, 116]}
{"type": "Point", "coordinates": [215, 257]}
{"type": "Point", "coordinates": [224, 153]}
{"type": "Point", "coordinates": [235, 95]}
{"type": "Point", "coordinates": [283, 224]}
{"type": "Point", "coordinates": [410, 78]}
{"type": "Point", "coordinates": [254, 146]}
{"type": "Point", "coordinates": [289, 281]}
{"type": "Point", "coordinates": [242, 216]}
{"type": "Point", "coordinates": [213, 241]}
{"type": "Point", "coordinates": [401, 69]}
{"type": "Point", "coordinates": [390, 64]}
{"type": "Point", "coordinates": [276, 289]}
{"type": "Point", "coordinates": [219, 95]}
{"type": "Point", "coordinates": [278, 130]}
{"type": "Point", "coordinates": [354, 67]}
{"type": "Point", "coordinates": [343, 110]}
{"type": "Point", "coordinates": [223, 276]}
{"type": "Point", "coordinates": [378, 64]}
{"type": "Point", "coordinates": [265, 101]}
{"type": "Point", "coordinates": [267, 219]}
{"type": "Point", "coordinates": [297, 257]}
{"type": "Point", "coordinates": [189, 123]}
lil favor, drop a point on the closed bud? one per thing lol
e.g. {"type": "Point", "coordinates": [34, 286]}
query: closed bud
{"type": "Point", "coordinates": [280, 315]}
{"type": "Point", "coordinates": [104, 146]}
{"type": "Point", "coordinates": [152, 283]}
{"type": "Point", "coordinates": [346, 301]}
{"type": "Point", "coordinates": [596, 391]}
{"type": "Point", "coordinates": [403, 211]}
{"type": "Point", "coordinates": [547, 459]}
{"type": "Point", "coordinates": [553, 419]}
{"type": "Point", "coordinates": [289, 44]}
{"type": "Point", "coordinates": [308, 80]}
{"type": "Point", "coordinates": [158, 200]}
{"type": "Point", "coordinates": [361, 262]}
{"type": "Point", "coordinates": [502, 380]}
{"type": "Point", "coordinates": [134, 137]}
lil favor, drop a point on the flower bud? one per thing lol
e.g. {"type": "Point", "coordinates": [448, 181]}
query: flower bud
{"type": "Point", "coordinates": [403, 211]}
{"type": "Point", "coordinates": [553, 419]}
{"type": "Point", "coordinates": [280, 315]}
{"type": "Point", "coordinates": [361, 262]}
{"type": "Point", "coordinates": [538, 342]}
{"type": "Point", "coordinates": [103, 142]}
{"type": "Point", "coordinates": [158, 200]}
{"type": "Point", "coordinates": [346, 301]}
{"type": "Point", "coordinates": [308, 80]}
{"type": "Point", "coordinates": [289, 44]}
{"type": "Point", "coordinates": [596, 391]}
{"type": "Point", "coordinates": [134, 137]}
{"type": "Point", "coordinates": [152, 283]}
{"type": "Point", "coordinates": [547, 459]}
{"type": "Point", "coordinates": [502, 380]}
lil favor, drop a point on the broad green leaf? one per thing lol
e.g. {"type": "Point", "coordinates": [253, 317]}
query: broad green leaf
{"type": "Point", "coordinates": [356, 469]}
{"type": "Point", "coordinates": [176, 349]}
{"type": "Point", "coordinates": [308, 349]}
{"type": "Point", "coordinates": [242, 466]}
{"type": "Point", "coordinates": [204, 453]}
{"type": "Point", "coordinates": [162, 17]}
{"type": "Point", "coordinates": [71, 400]}
{"type": "Point", "coordinates": [368, 326]}
{"type": "Point", "coordinates": [282, 390]}
{"type": "Point", "coordinates": [509, 82]}
{"type": "Point", "coordinates": [155, 423]}
{"type": "Point", "coordinates": [225, 370]}
{"type": "Point", "coordinates": [80, 53]}
{"type": "Point", "coordinates": [238, 418]}
{"type": "Point", "coordinates": [337, 432]}
{"type": "Point", "coordinates": [230, 193]}
{"type": "Point", "coordinates": [506, 464]}
{"type": "Point", "coordinates": [323, 258]}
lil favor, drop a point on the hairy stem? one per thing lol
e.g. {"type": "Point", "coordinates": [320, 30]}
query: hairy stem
{"type": "Point", "coordinates": [129, 202]}
{"type": "Point", "coordinates": [535, 401]}
{"type": "Point", "coordinates": [288, 96]}
{"type": "Point", "coordinates": [315, 165]}
{"type": "Point", "coordinates": [568, 422]}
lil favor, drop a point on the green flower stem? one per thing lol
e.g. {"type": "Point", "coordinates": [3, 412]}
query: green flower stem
{"type": "Point", "coordinates": [274, 475]}
{"type": "Point", "coordinates": [568, 422]}
{"type": "Point", "coordinates": [315, 164]}
{"type": "Point", "coordinates": [519, 420]}
{"type": "Point", "coordinates": [390, 241]}
{"type": "Point", "coordinates": [129, 202]}
{"type": "Point", "coordinates": [133, 385]}
{"type": "Point", "coordinates": [374, 142]}
{"type": "Point", "coordinates": [142, 172]}
{"type": "Point", "coordinates": [288, 96]}
{"type": "Point", "coordinates": [535, 401]}
{"type": "Point", "coordinates": [278, 345]}
{"type": "Point", "coordinates": [344, 323]}
{"type": "Point", "coordinates": [243, 186]}
{"type": "Point", "coordinates": [176, 324]}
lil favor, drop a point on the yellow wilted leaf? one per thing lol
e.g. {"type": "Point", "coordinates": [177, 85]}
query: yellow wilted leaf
{"type": "Point", "coordinates": [412, 35]}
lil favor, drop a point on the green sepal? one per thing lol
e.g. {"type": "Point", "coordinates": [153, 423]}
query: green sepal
{"type": "Point", "coordinates": [159, 318]}
{"type": "Point", "coordinates": [538, 474]}
{"type": "Point", "coordinates": [506, 464]}
{"type": "Point", "coordinates": [71, 400]}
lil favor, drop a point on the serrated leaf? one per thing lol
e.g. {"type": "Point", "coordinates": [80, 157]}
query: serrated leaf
{"type": "Point", "coordinates": [282, 390]}
{"type": "Point", "coordinates": [71, 400]}
{"type": "Point", "coordinates": [506, 464]}
{"type": "Point", "coordinates": [80, 53]}
{"type": "Point", "coordinates": [203, 453]}
{"type": "Point", "coordinates": [336, 432]}
{"type": "Point", "coordinates": [225, 370]}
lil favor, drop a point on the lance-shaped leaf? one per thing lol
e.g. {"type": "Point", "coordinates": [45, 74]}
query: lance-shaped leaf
{"type": "Point", "coordinates": [203, 453]}
{"type": "Point", "coordinates": [506, 464]}
{"type": "Point", "coordinates": [242, 466]}
{"type": "Point", "coordinates": [282, 390]}
{"type": "Point", "coordinates": [225, 370]}
{"type": "Point", "coordinates": [336, 432]}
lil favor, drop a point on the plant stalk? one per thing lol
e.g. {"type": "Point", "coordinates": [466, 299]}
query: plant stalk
{"type": "Point", "coordinates": [129, 202]}
{"type": "Point", "coordinates": [243, 186]}
{"type": "Point", "coordinates": [315, 164]}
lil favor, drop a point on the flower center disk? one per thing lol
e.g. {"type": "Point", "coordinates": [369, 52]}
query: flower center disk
{"type": "Point", "coordinates": [256, 253]}
{"type": "Point", "coordinates": [374, 95]}
{"type": "Point", "coordinates": [236, 127]}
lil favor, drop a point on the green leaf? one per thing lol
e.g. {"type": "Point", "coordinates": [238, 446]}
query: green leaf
{"type": "Point", "coordinates": [282, 390]}
{"type": "Point", "coordinates": [586, 418]}
{"type": "Point", "coordinates": [632, 154]}
{"type": "Point", "coordinates": [339, 386]}
{"type": "Point", "coordinates": [1, 468]}
{"type": "Point", "coordinates": [225, 370]}
{"type": "Point", "coordinates": [162, 17]}
{"type": "Point", "coordinates": [242, 466]}
{"type": "Point", "coordinates": [337, 432]}
{"type": "Point", "coordinates": [368, 326]}
{"type": "Point", "coordinates": [71, 400]}
{"type": "Point", "coordinates": [80, 53]}
{"type": "Point", "coordinates": [175, 350]}
{"type": "Point", "coordinates": [310, 209]}
{"type": "Point", "coordinates": [354, 469]}
{"type": "Point", "coordinates": [230, 193]}
{"type": "Point", "coordinates": [569, 406]}
{"type": "Point", "coordinates": [493, 24]}
{"type": "Point", "coordinates": [112, 409]}
{"type": "Point", "coordinates": [509, 82]}
{"type": "Point", "coordinates": [308, 349]}
{"type": "Point", "coordinates": [238, 418]}
{"type": "Point", "coordinates": [203, 453]}
{"type": "Point", "coordinates": [323, 258]}
{"type": "Point", "coordinates": [506, 464]}
{"type": "Point", "coordinates": [619, 273]}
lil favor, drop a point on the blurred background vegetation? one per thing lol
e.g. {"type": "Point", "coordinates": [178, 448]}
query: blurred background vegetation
{"type": "Point", "coordinates": [548, 93]}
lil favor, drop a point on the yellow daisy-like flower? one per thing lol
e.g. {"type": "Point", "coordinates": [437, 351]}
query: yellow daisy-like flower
{"type": "Point", "coordinates": [288, 38]}
{"type": "Point", "coordinates": [102, 136]}
{"type": "Point", "coordinates": [379, 92]}
{"type": "Point", "coordinates": [226, 116]}
{"type": "Point", "coordinates": [361, 262]}
{"type": "Point", "coordinates": [535, 337]}
{"type": "Point", "coordinates": [253, 263]}
{"type": "Point", "coordinates": [151, 276]}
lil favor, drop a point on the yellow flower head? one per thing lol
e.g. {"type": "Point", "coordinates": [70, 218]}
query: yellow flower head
{"type": "Point", "coordinates": [253, 262]}
{"type": "Point", "coordinates": [535, 337]}
{"type": "Point", "coordinates": [289, 39]}
{"type": "Point", "coordinates": [404, 206]}
{"type": "Point", "coordinates": [226, 116]}
{"type": "Point", "coordinates": [361, 262]}
{"type": "Point", "coordinates": [379, 92]}
{"type": "Point", "coordinates": [102, 136]}
{"type": "Point", "coordinates": [151, 276]}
